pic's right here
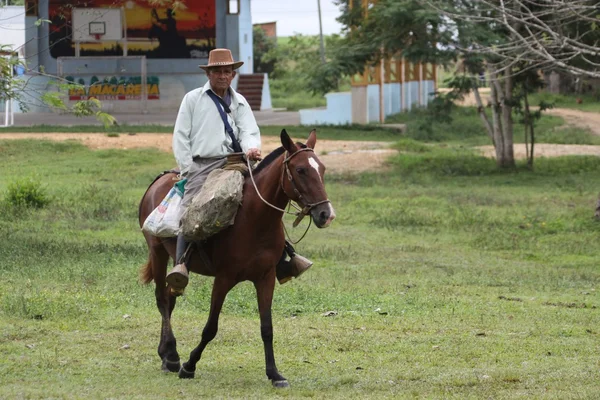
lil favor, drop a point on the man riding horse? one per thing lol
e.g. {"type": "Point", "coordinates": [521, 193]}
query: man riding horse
{"type": "Point", "coordinates": [213, 122]}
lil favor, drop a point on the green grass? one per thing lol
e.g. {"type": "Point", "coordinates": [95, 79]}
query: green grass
{"type": "Point", "coordinates": [466, 128]}
{"type": "Point", "coordinates": [589, 102]}
{"type": "Point", "coordinates": [450, 280]}
{"type": "Point", "coordinates": [289, 93]}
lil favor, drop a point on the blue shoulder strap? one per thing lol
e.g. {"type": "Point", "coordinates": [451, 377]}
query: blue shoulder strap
{"type": "Point", "coordinates": [236, 146]}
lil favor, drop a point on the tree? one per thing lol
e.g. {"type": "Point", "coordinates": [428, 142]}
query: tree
{"type": "Point", "coordinates": [513, 40]}
{"type": "Point", "coordinates": [13, 87]}
{"type": "Point", "coordinates": [509, 39]}
{"type": "Point", "coordinates": [556, 34]}
{"type": "Point", "coordinates": [263, 48]}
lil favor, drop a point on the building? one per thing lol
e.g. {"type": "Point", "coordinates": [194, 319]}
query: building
{"type": "Point", "coordinates": [132, 57]}
{"type": "Point", "coordinates": [269, 28]}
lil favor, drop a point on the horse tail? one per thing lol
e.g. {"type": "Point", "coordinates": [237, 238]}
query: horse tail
{"type": "Point", "coordinates": [146, 275]}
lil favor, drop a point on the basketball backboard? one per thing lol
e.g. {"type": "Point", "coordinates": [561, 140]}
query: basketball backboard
{"type": "Point", "coordinates": [97, 24]}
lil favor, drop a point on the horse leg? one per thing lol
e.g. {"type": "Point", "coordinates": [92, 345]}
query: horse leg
{"type": "Point", "coordinates": [264, 292]}
{"type": "Point", "coordinates": [165, 301]}
{"type": "Point", "coordinates": [221, 287]}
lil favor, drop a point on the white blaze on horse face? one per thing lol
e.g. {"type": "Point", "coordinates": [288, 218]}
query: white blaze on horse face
{"type": "Point", "coordinates": [313, 163]}
{"type": "Point", "coordinates": [331, 216]}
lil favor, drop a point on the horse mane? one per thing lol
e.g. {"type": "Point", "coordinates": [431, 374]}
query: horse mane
{"type": "Point", "coordinates": [272, 156]}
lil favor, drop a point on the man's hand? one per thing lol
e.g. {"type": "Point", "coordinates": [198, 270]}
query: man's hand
{"type": "Point", "coordinates": [253, 154]}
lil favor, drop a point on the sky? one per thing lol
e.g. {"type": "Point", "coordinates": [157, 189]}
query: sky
{"type": "Point", "coordinates": [297, 16]}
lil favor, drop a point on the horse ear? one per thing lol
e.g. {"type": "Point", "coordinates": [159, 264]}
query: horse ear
{"type": "Point", "coordinates": [287, 142]}
{"type": "Point", "coordinates": [312, 139]}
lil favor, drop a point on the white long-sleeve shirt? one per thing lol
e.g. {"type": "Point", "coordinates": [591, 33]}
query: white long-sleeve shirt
{"type": "Point", "coordinates": [200, 132]}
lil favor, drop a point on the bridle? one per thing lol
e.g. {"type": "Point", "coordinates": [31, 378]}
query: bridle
{"type": "Point", "coordinates": [305, 208]}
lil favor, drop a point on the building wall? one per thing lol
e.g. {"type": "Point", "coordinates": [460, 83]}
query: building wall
{"type": "Point", "coordinates": [269, 28]}
{"type": "Point", "coordinates": [337, 112]}
{"type": "Point", "coordinates": [361, 106]}
{"type": "Point", "coordinates": [12, 26]}
{"type": "Point", "coordinates": [245, 38]}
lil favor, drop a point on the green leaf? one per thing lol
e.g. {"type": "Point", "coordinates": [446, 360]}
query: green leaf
{"type": "Point", "coordinates": [54, 100]}
{"type": "Point", "coordinates": [41, 21]}
{"type": "Point", "coordinates": [106, 119]}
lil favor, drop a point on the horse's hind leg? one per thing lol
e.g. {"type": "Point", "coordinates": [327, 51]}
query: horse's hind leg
{"type": "Point", "coordinates": [264, 292]}
{"type": "Point", "coordinates": [165, 301]}
{"type": "Point", "coordinates": [221, 287]}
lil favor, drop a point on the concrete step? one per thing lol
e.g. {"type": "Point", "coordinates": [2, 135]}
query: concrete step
{"type": "Point", "coordinates": [250, 86]}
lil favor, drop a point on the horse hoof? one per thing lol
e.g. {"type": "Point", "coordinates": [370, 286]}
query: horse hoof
{"type": "Point", "coordinates": [185, 374]}
{"type": "Point", "coordinates": [170, 366]}
{"type": "Point", "coordinates": [281, 384]}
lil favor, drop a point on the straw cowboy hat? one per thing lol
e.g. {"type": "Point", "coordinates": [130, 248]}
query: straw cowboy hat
{"type": "Point", "coordinates": [221, 58]}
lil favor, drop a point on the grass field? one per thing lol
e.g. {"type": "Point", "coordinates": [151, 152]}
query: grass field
{"type": "Point", "coordinates": [448, 279]}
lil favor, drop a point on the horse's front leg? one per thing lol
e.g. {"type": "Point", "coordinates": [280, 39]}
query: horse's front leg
{"type": "Point", "coordinates": [221, 287]}
{"type": "Point", "coordinates": [264, 292]}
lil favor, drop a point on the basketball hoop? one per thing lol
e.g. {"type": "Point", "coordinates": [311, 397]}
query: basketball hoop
{"type": "Point", "coordinates": [97, 36]}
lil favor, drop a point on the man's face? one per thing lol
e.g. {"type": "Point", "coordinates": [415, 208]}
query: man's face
{"type": "Point", "coordinates": [220, 77]}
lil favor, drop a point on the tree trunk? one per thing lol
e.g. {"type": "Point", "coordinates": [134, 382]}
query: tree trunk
{"type": "Point", "coordinates": [496, 120]}
{"type": "Point", "coordinates": [483, 115]}
{"type": "Point", "coordinates": [507, 123]}
{"type": "Point", "coordinates": [529, 132]}
{"type": "Point", "coordinates": [502, 120]}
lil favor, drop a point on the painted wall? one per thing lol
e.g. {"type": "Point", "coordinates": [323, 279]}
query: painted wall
{"type": "Point", "coordinates": [265, 103]}
{"type": "Point", "coordinates": [362, 104]}
{"type": "Point", "coordinates": [337, 112]}
{"type": "Point", "coordinates": [175, 76]}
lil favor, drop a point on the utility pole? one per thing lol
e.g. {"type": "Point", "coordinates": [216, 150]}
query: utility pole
{"type": "Point", "coordinates": [321, 33]}
{"type": "Point", "coordinates": [382, 87]}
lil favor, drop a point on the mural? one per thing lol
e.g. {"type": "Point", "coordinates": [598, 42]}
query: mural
{"type": "Point", "coordinates": [156, 32]}
{"type": "Point", "coordinates": [114, 88]}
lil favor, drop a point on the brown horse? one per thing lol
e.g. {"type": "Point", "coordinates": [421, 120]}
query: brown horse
{"type": "Point", "coordinates": [248, 250]}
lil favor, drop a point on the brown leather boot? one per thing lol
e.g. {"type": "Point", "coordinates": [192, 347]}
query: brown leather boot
{"type": "Point", "coordinates": [178, 277]}
{"type": "Point", "coordinates": [299, 264]}
{"type": "Point", "coordinates": [292, 268]}
{"type": "Point", "coordinates": [296, 266]}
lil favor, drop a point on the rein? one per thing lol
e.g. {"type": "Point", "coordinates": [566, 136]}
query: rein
{"type": "Point", "coordinates": [302, 212]}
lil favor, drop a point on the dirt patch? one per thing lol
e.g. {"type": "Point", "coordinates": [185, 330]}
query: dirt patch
{"type": "Point", "coordinates": [548, 150]}
{"type": "Point", "coordinates": [581, 119]}
{"type": "Point", "coordinates": [339, 156]}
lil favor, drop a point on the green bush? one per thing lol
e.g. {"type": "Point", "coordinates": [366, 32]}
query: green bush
{"type": "Point", "coordinates": [27, 193]}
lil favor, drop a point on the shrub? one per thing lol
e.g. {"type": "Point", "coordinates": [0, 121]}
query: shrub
{"type": "Point", "coordinates": [27, 193]}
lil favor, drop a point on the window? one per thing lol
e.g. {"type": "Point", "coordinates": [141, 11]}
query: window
{"type": "Point", "coordinates": [233, 7]}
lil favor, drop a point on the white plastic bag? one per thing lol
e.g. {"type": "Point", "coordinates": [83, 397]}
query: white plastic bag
{"type": "Point", "coordinates": [163, 221]}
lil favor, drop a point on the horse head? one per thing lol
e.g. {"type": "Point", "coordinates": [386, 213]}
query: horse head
{"type": "Point", "coordinates": [302, 180]}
